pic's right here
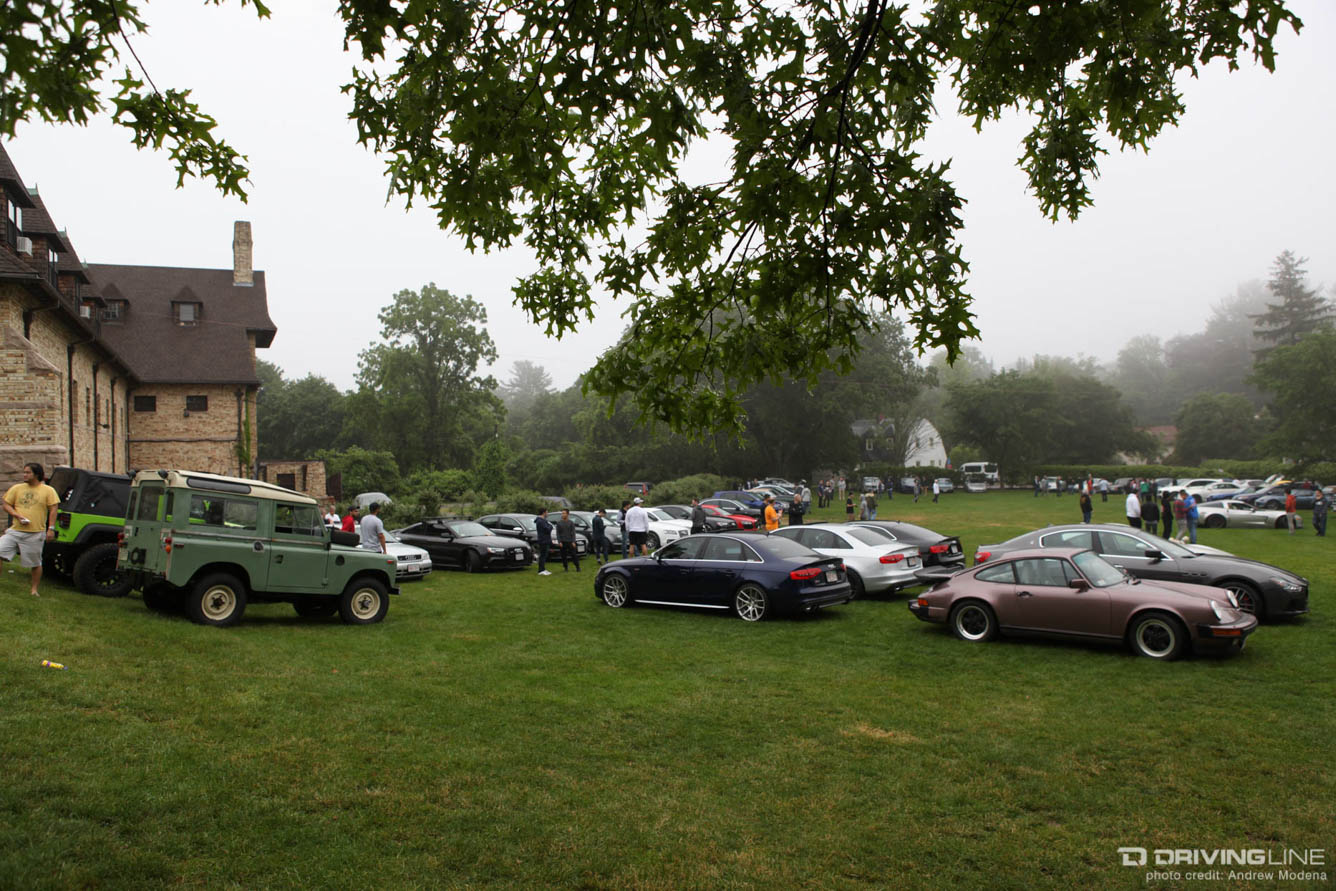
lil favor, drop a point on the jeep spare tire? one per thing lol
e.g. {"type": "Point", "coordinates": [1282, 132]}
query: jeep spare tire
{"type": "Point", "coordinates": [95, 572]}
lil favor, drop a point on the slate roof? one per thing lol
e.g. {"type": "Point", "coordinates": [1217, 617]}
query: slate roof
{"type": "Point", "coordinates": [158, 350]}
{"type": "Point", "coordinates": [9, 176]}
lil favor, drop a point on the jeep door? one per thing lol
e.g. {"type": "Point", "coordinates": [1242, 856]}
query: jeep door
{"type": "Point", "coordinates": [298, 557]}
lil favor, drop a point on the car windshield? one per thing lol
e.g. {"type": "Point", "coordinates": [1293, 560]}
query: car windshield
{"type": "Point", "coordinates": [1171, 548]}
{"type": "Point", "coordinates": [784, 547]}
{"type": "Point", "coordinates": [865, 535]}
{"type": "Point", "coordinates": [660, 515]}
{"type": "Point", "coordinates": [465, 529]}
{"type": "Point", "coordinates": [1099, 571]}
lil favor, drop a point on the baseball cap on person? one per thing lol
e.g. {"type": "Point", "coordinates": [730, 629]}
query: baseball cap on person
{"type": "Point", "coordinates": [637, 500]}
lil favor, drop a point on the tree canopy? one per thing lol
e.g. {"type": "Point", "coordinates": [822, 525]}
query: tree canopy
{"type": "Point", "coordinates": [566, 126]}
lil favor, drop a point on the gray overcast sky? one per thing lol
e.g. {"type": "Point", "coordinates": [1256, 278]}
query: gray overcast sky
{"type": "Point", "coordinates": [1248, 173]}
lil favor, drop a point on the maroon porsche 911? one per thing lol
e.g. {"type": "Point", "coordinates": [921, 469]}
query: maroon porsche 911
{"type": "Point", "coordinates": [1077, 593]}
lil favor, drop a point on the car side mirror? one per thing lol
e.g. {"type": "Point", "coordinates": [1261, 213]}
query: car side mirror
{"type": "Point", "coordinates": [1078, 585]}
{"type": "Point", "coordinates": [1154, 554]}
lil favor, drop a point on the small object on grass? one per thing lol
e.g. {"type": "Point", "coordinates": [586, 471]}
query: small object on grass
{"type": "Point", "coordinates": [47, 663]}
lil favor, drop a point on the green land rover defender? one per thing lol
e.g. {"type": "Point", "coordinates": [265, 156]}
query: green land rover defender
{"type": "Point", "coordinates": [211, 544]}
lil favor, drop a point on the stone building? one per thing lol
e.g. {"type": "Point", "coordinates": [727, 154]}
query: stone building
{"type": "Point", "coordinates": [117, 368]}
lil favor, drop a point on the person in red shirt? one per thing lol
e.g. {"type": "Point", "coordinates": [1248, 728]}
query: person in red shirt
{"type": "Point", "coordinates": [350, 521]}
{"type": "Point", "coordinates": [1291, 509]}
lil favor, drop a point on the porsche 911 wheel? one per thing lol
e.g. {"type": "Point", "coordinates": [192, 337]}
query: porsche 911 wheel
{"type": "Point", "coordinates": [973, 620]}
{"type": "Point", "coordinates": [1157, 636]}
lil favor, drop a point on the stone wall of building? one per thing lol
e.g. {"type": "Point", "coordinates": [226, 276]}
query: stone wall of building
{"type": "Point", "coordinates": [38, 379]}
{"type": "Point", "coordinates": [173, 435]}
{"type": "Point", "coordinates": [307, 477]}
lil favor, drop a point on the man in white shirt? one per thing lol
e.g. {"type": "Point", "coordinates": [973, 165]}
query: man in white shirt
{"type": "Point", "coordinates": [332, 518]}
{"type": "Point", "coordinates": [373, 530]}
{"type": "Point", "coordinates": [1133, 509]}
{"type": "Point", "coordinates": [637, 527]}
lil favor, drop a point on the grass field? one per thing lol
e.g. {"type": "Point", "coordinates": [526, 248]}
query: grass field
{"type": "Point", "coordinates": [508, 730]}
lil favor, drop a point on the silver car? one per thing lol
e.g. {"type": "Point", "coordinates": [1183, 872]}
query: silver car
{"type": "Point", "coordinates": [874, 564]}
{"type": "Point", "coordinates": [1239, 515]}
{"type": "Point", "coordinates": [410, 562]}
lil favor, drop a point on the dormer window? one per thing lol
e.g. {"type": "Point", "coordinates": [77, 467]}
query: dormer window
{"type": "Point", "coordinates": [186, 313]}
{"type": "Point", "coordinates": [115, 311]}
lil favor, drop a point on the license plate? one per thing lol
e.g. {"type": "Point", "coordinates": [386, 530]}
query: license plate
{"type": "Point", "coordinates": [914, 561]}
{"type": "Point", "coordinates": [832, 575]}
{"type": "Point", "coordinates": [955, 549]}
{"type": "Point", "coordinates": [518, 554]}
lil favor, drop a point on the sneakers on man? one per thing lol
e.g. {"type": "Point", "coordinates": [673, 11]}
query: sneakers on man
{"type": "Point", "coordinates": [544, 572]}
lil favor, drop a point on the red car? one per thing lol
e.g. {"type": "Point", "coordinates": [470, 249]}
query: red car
{"type": "Point", "coordinates": [743, 521]}
{"type": "Point", "coordinates": [1077, 593]}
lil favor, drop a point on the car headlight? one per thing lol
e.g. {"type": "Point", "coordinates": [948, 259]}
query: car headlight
{"type": "Point", "coordinates": [496, 550]}
{"type": "Point", "coordinates": [1223, 614]}
{"type": "Point", "coordinates": [1286, 585]}
{"type": "Point", "coordinates": [1232, 598]}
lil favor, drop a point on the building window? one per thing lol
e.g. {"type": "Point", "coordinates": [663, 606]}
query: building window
{"type": "Point", "coordinates": [88, 406]}
{"type": "Point", "coordinates": [114, 312]}
{"type": "Point", "coordinates": [197, 403]}
{"type": "Point", "coordinates": [287, 480]}
{"type": "Point", "coordinates": [186, 313]}
{"type": "Point", "coordinates": [146, 403]}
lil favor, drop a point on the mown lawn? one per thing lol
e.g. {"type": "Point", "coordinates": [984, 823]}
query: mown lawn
{"type": "Point", "coordinates": [510, 730]}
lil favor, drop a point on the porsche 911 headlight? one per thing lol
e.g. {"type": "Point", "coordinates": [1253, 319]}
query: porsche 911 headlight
{"type": "Point", "coordinates": [1233, 598]}
{"type": "Point", "coordinates": [1223, 614]}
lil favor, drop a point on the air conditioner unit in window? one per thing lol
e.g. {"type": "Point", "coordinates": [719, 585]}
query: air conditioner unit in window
{"type": "Point", "coordinates": [25, 245]}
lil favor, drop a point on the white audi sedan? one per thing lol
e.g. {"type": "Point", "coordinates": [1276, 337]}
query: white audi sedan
{"type": "Point", "coordinates": [874, 564]}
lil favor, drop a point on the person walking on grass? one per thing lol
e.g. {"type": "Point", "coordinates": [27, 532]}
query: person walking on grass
{"type": "Point", "coordinates": [1103, 490]}
{"type": "Point", "coordinates": [1150, 514]}
{"type": "Point", "coordinates": [697, 517]}
{"type": "Point", "coordinates": [1190, 514]}
{"type": "Point", "coordinates": [936, 490]}
{"type": "Point", "coordinates": [637, 526]}
{"type": "Point", "coordinates": [544, 543]}
{"type": "Point", "coordinates": [796, 508]}
{"type": "Point", "coordinates": [600, 541]}
{"type": "Point", "coordinates": [1086, 507]}
{"type": "Point", "coordinates": [771, 514]}
{"type": "Point", "coordinates": [1167, 512]}
{"type": "Point", "coordinates": [1133, 509]}
{"type": "Point", "coordinates": [871, 505]}
{"type": "Point", "coordinates": [1320, 513]}
{"type": "Point", "coordinates": [626, 539]}
{"type": "Point", "coordinates": [566, 540]}
{"type": "Point", "coordinates": [31, 506]}
{"type": "Point", "coordinates": [849, 508]}
{"type": "Point", "coordinates": [1292, 508]}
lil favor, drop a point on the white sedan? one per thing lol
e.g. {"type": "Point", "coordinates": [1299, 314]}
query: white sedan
{"type": "Point", "coordinates": [410, 562]}
{"type": "Point", "coordinates": [874, 563]}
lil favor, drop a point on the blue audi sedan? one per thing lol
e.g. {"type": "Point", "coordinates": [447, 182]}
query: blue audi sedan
{"type": "Point", "coordinates": [755, 576]}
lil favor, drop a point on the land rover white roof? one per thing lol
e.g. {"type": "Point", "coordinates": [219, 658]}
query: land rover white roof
{"type": "Point", "coordinates": [212, 482]}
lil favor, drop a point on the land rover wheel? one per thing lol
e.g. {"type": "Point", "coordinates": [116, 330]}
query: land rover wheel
{"type": "Point", "coordinates": [364, 602]}
{"type": "Point", "coordinates": [95, 572]}
{"type": "Point", "coordinates": [317, 607]}
{"type": "Point", "coordinates": [217, 599]}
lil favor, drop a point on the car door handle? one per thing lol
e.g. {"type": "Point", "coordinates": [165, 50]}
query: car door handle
{"type": "Point", "coordinates": [278, 558]}
{"type": "Point", "coordinates": [1024, 594]}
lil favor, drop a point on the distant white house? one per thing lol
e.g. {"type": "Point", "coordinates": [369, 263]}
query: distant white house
{"type": "Point", "coordinates": [925, 443]}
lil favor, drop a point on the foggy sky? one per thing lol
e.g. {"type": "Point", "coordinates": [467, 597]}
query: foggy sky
{"type": "Point", "coordinates": [1247, 174]}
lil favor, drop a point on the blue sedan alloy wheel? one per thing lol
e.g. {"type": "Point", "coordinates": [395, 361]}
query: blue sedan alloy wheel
{"type": "Point", "coordinates": [750, 603]}
{"type": "Point", "coordinates": [616, 592]}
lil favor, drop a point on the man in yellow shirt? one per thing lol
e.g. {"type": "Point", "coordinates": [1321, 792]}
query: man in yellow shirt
{"type": "Point", "coordinates": [771, 514]}
{"type": "Point", "coordinates": [31, 506]}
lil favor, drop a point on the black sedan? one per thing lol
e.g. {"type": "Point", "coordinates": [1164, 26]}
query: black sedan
{"type": "Point", "coordinates": [713, 523]}
{"type": "Point", "coordinates": [935, 549]}
{"type": "Point", "coordinates": [465, 544]}
{"type": "Point", "coordinates": [524, 527]}
{"type": "Point", "coordinates": [1267, 591]}
{"type": "Point", "coordinates": [753, 575]}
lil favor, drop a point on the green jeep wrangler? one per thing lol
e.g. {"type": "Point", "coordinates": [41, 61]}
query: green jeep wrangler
{"type": "Point", "coordinates": [212, 543]}
{"type": "Point", "coordinates": [90, 517]}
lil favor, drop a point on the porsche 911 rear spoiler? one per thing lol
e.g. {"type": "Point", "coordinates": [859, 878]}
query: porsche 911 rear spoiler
{"type": "Point", "coordinates": [935, 575]}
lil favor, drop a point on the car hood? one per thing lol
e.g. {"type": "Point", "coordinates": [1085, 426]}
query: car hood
{"type": "Point", "coordinates": [400, 549]}
{"type": "Point", "coordinates": [1186, 589]}
{"type": "Point", "coordinates": [1255, 569]}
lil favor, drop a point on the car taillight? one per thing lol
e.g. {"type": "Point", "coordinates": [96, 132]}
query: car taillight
{"type": "Point", "coordinates": [891, 558]}
{"type": "Point", "coordinates": [120, 539]}
{"type": "Point", "coordinates": [980, 556]}
{"type": "Point", "coordinates": [167, 544]}
{"type": "Point", "coordinates": [63, 520]}
{"type": "Point", "coordinates": [923, 601]}
{"type": "Point", "coordinates": [939, 548]}
{"type": "Point", "coordinates": [810, 572]}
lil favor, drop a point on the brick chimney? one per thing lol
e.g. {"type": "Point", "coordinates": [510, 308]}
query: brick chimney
{"type": "Point", "coordinates": [242, 275]}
